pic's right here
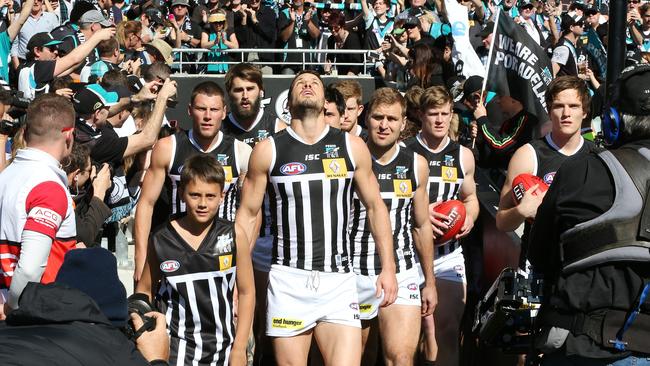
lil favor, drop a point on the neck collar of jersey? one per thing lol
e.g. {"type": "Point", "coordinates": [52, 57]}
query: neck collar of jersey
{"type": "Point", "coordinates": [30, 154]}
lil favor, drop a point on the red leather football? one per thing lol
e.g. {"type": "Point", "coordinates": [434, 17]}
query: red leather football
{"type": "Point", "coordinates": [455, 210]}
{"type": "Point", "coordinates": [523, 182]}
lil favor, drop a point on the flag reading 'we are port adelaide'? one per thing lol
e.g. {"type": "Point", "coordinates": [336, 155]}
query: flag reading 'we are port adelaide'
{"type": "Point", "coordinates": [518, 66]}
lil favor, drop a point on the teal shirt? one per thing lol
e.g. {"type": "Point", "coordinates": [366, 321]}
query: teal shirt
{"type": "Point", "coordinates": [217, 59]}
{"type": "Point", "coordinates": [5, 48]}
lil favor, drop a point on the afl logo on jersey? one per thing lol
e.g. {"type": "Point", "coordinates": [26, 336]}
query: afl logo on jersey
{"type": "Point", "coordinates": [170, 266]}
{"type": "Point", "coordinates": [548, 178]}
{"type": "Point", "coordinates": [293, 168]}
{"type": "Point", "coordinates": [412, 286]}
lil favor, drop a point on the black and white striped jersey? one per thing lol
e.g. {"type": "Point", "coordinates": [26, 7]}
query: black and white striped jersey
{"type": "Point", "coordinates": [310, 193]}
{"type": "Point", "coordinates": [263, 127]}
{"type": "Point", "coordinates": [446, 171]}
{"type": "Point", "coordinates": [196, 293]}
{"type": "Point", "coordinates": [224, 150]}
{"type": "Point", "coordinates": [397, 184]}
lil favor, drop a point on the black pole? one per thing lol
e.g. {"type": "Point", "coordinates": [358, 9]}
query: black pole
{"type": "Point", "coordinates": [616, 47]}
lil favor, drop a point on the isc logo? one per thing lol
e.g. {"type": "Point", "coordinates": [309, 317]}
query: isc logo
{"type": "Point", "coordinates": [293, 168]}
{"type": "Point", "coordinates": [169, 266]}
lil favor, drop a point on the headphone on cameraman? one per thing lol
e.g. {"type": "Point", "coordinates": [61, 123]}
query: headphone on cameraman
{"type": "Point", "coordinates": [612, 118]}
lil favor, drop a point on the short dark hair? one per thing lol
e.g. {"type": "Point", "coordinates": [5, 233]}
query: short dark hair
{"type": "Point", "coordinates": [332, 95]}
{"type": "Point", "coordinates": [202, 167]}
{"type": "Point", "coordinates": [245, 71]}
{"type": "Point", "coordinates": [114, 78]}
{"type": "Point", "coordinates": [78, 158]}
{"type": "Point", "coordinates": [336, 18]}
{"type": "Point", "coordinates": [209, 88]}
{"type": "Point", "coordinates": [301, 72]}
{"type": "Point", "coordinates": [107, 47]}
{"type": "Point", "coordinates": [562, 83]}
{"type": "Point", "coordinates": [157, 70]}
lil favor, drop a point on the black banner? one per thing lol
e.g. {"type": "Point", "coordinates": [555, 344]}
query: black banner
{"type": "Point", "coordinates": [519, 67]}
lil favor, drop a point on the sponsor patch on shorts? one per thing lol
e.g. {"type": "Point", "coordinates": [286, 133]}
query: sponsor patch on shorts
{"type": "Point", "coordinates": [286, 323]}
{"type": "Point", "coordinates": [365, 308]}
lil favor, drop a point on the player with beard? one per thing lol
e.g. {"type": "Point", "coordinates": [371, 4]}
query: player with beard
{"type": "Point", "coordinates": [250, 123]}
{"type": "Point", "coordinates": [308, 170]}
{"type": "Point", "coordinates": [247, 121]}
{"type": "Point", "coordinates": [207, 110]}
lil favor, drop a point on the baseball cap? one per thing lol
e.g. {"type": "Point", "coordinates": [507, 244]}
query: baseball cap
{"type": "Point", "coordinates": [472, 85]}
{"type": "Point", "coordinates": [412, 22]}
{"type": "Point", "coordinates": [592, 10]}
{"type": "Point", "coordinates": [93, 97]}
{"type": "Point", "coordinates": [43, 39]}
{"type": "Point", "coordinates": [487, 30]}
{"type": "Point", "coordinates": [154, 15]}
{"type": "Point", "coordinates": [217, 17]}
{"type": "Point", "coordinates": [94, 16]}
{"type": "Point", "coordinates": [181, 2]}
{"type": "Point", "coordinates": [633, 89]}
{"type": "Point", "coordinates": [525, 3]}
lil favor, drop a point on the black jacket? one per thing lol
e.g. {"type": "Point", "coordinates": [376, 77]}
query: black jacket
{"type": "Point", "coordinates": [90, 215]}
{"type": "Point", "coordinates": [58, 325]}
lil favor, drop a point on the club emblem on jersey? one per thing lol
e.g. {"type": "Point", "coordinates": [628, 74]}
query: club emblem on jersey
{"type": "Point", "coordinates": [262, 134]}
{"type": "Point", "coordinates": [225, 262]}
{"type": "Point", "coordinates": [224, 244]}
{"type": "Point", "coordinates": [401, 171]}
{"type": "Point", "coordinates": [293, 168]}
{"type": "Point", "coordinates": [335, 168]}
{"type": "Point", "coordinates": [223, 159]}
{"type": "Point", "coordinates": [170, 266]}
{"type": "Point", "coordinates": [548, 178]}
{"type": "Point", "coordinates": [449, 174]}
{"type": "Point", "coordinates": [331, 151]}
{"type": "Point", "coordinates": [449, 160]}
{"type": "Point", "coordinates": [402, 188]}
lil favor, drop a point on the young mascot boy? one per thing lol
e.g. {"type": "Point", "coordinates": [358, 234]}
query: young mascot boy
{"type": "Point", "coordinates": [195, 256]}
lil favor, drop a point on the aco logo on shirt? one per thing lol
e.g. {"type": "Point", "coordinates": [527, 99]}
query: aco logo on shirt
{"type": "Point", "coordinates": [286, 323]}
{"type": "Point", "coordinates": [402, 188]}
{"type": "Point", "coordinates": [335, 168]}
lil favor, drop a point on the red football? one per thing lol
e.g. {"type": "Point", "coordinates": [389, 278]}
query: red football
{"type": "Point", "coordinates": [523, 182]}
{"type": "Point", "coordinates": [455, 210]}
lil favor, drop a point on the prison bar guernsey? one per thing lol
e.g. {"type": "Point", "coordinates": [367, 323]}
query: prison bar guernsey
{"type": "Point", "coordinates": [196, 294]}
{"type": "Point", "coordinates": [397, 184]}
{"type": "Point", "coordinates": [224, 150]}
{"type": "Point", "coordinates": [310, 194]}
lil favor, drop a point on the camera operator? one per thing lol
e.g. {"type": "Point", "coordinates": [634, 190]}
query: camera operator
{"type": "Point", "coordinates": [590, 242]}
{"type": "Point", "coordinates": [89, 327]}
{"type": "Point", "coordinates": [88, 187]}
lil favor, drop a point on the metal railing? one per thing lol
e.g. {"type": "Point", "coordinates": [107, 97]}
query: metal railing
{"type": "Point", "coordinates": [239, 54]}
